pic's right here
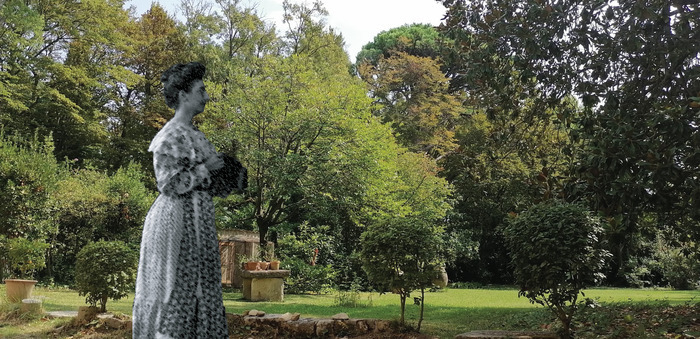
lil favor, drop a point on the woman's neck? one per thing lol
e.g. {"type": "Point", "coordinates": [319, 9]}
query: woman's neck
{"type": "Point", "coordinates": [182, 117]}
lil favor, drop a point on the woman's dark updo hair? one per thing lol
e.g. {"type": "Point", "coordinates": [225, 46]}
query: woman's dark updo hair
{"type": "Point", "coordinates": [178, 78]}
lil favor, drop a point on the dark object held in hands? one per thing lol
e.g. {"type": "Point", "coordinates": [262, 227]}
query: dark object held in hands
{"type": "Point", "coordinates": [233, 177]}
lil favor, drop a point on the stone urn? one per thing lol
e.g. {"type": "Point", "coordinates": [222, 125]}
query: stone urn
{"type": "Point", "coordinates": [441, 278]}
{"type": "Point", "coordinates": [19, 289]}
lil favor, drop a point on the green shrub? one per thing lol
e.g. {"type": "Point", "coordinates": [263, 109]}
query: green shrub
{"type": "Point", "coordinates": [28, 176]}
{"type": "Point", "coordinates": [351, 298]}
{"type": "Point", "coordinates": [305, 242]}
{"type": "Point", "coordinates": [26, 256]}
{"type": "Point", "coordinates": [679, 263]}
{"type": "Point", "coordinates": [306, 278]}
{"type": "Point", "coordinates": [298, 251]}
{"type": "Point", "coordinates": [105, 269]}
{"type": "Point", "coordinates": [555, 254]}
{"type": "Point", "coordinates": [638, 271]}
{"type": "Point", "coordinates": [92, 205]}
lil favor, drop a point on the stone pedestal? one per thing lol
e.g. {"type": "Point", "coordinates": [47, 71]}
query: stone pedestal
{"type": "Point", "coordinates": [264, 285]}
{"type": "Point", "coordinates": [31, 306]}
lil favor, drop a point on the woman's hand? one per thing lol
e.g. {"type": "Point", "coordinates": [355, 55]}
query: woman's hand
{"type": "Point", "coordinates": [214, 163]}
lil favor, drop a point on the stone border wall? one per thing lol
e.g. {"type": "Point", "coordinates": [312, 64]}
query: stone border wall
{"type": "Point", "coordinates": [292, 325]}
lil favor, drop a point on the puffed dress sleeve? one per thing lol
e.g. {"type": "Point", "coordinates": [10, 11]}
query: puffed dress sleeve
{"type": "Point", "coordinates": [177, 163]}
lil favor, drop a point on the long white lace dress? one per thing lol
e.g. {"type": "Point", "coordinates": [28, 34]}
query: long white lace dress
{"type": "Point", "coordinates": [178, 284]}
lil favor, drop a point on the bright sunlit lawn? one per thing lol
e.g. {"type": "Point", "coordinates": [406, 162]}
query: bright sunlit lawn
{"type": "Point", "coordinates": [447, 312]}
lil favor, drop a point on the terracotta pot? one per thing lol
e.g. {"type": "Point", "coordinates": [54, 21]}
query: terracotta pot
{"type": "Point", "coordinates": [18, 289]}
{"type": "Point", "coordinates": [263, 265]}
{"type": "Point", "coordinates": [251, 265]}
{"type": "Point", "coordinates": [275, 265]}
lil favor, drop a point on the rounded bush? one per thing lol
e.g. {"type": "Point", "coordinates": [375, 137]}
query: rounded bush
{"type": "Point", "coordinates": [555, 246]}
{"type": "Point", "coordinates": [555, 253]}
{"type": "Point", "coordinates": [105, 269]}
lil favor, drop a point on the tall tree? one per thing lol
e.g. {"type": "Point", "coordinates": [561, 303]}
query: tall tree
{"type": "Point", "coordinates": [244, 38]}
{"type": "Point", "coordinates": [411, 93]}
{"type": "Point", "coordinates": [49, 92]}
{"type": "Point", "coordinates": [419, 40]}
{"type": "Point", "coordinates": [294, 123]}
{"type": "Point", "coordinates": [138, 109]}
{"type": "Point", "coordinates": [500, 167]}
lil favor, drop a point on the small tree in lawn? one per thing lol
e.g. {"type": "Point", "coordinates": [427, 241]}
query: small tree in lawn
{"type": "Point", "coordinates": [555, 253]}
{"type": "Point", "coordinates": [105, 269]}
{"type": "Point", "coordinates": [402, 254]}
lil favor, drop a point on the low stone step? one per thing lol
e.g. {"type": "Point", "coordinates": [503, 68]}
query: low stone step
{"type": "Point", "coordinates": [63, 314]}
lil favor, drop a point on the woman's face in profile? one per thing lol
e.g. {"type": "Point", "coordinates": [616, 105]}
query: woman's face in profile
{"type": "Point", "coordinates": [195, 99]}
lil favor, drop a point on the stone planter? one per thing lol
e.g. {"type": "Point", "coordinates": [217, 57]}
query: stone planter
{"type": "Point", "coordinates": [19, 289]}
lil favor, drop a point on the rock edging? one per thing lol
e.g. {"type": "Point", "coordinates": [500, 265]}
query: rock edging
{"type": "Point", "coordinates": [292, 325]}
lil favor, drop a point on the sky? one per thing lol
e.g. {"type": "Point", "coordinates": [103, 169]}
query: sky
{"type": "Point", "coordinates": [359, 21]}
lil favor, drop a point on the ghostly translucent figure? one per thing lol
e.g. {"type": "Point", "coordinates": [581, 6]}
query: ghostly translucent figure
{"type": "Point", "coordinates": [178, 285]}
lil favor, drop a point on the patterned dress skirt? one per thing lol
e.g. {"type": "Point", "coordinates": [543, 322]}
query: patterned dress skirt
{"type": "Point", "coordinates": [178, 286]}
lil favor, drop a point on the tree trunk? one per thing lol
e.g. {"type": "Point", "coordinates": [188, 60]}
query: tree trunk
{"type": "Point", "coordinates": [566, 323]}
{"type": "Point", "coordinates": [262, 229]}
{"type": "Point", "coordinates": [103, 304]}
{"type": "Point", "coordinates": [403, 306]}
{"type": "Point", "coordinates": [422, 306]}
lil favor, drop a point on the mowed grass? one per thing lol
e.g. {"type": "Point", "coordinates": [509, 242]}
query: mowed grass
{"type": "Point", "coordinates": [447, 312]}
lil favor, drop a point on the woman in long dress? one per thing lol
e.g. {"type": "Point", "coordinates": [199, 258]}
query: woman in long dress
{"type": "Point", "coordinates": [178, 284]}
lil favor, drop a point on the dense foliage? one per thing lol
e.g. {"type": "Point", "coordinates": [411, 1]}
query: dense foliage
{"type": "Point", "coordinates": [92, 205]}
{"type": "Point", "coordinates": [634, 67]}
{"type": "Point", "coordinates": [29, 175]}
{"type": "Point", "coordinates": [25, 256]}
{"type": "Point", "coordinates": [105, 270]}
{"type": "Point", "coordinates": [556, 253]}
{"type": "Point", "coordinates": [506, 105]}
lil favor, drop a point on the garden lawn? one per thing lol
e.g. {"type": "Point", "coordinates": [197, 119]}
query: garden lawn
{"type": "Point", "coordinates": [447, 312]}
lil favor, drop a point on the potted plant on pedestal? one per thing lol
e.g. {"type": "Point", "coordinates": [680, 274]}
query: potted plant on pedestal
{"type": "Point", "coordinates": [262, 263]}
{"type": "Point", "coordinates": [270, 259]}
{"type": "Point", "coordinates": [274, 263]}
{"type": "Point", "coordinates": [25, 256]}
{"type": "Point", "coordinates": [247, 263]}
